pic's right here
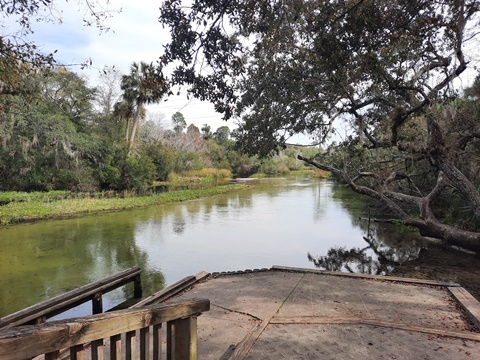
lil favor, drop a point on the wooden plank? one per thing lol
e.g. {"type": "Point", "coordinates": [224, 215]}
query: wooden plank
{"type": "Point", "coordinates": [172, 290]}
{"type": "Point", "coordinates": [116, 347]}
{"type": "Point", "coordinates": [137, 287]}
{"type": "Point", "coordinates": [365, 276]}
{"type": "Point", "coordinates": [244, 347]}
{"type": "Point", "coordinates": [468, 303]}
{"type": "Point", "coordinates": [97, 303]}
{"type": "Point", "coordinates": [96, 350]}
{"type": "Point", "coordinates": [185, 339]}
{"type": "Point", "coordinates": [32, 340]}
{"type": "Point", "coordinates": [374, 322]}
{"type": "Point", "coordinates": [144, 343]}
{"type": "Point", "coordinates": [157, 342]}
{"type": "Point", "coordinates": [70, 299]}
{"type": "Point", "coordinates": [170, 342]}
{"type": "Point", "coordinates": [54, 355]}
{"type": "Point", "coordinates": [130, 345]}
{"type": "Point", "coordinates": [77, 352]}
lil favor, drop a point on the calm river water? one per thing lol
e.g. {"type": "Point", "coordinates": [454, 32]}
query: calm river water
{"type": "Point", "coordinates": [296, 221]}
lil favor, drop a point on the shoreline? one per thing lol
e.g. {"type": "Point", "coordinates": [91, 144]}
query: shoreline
{"type": "Point", "coordinates": [21, 212]}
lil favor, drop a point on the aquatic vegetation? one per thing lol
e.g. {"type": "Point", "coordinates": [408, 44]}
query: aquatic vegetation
{"type": "Point", "coordinates": [58, 204]}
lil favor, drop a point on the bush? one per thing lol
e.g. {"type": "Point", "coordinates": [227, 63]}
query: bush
{"type": "Point", "coordinates": [211, 173]}
{"type": "Point", "coordinates": [163, 158]}
{"type": "Point", "coordinates": [186, 160]}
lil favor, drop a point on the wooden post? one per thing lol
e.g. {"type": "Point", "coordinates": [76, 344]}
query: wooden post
{"type": "Point", "coordinates": [137, 287]}
{"type": "Point", "coordinates": [97, 305]}
{"type": "Point", "coordinates": [170, 339]}
{"type": "Point", "coordinates": [157, 342]}
{"type": "Point", "coordinates": [182, 339]}
{"type": "Point", "coordinates": [144, 340]}
{"type": "Point", "coordinates": [40, 320]}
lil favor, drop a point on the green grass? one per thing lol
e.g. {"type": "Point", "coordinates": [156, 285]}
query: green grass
{"type": "Point", "coordinates": [16, 196]}
{"type": "Point", "coordinates": [258, 176]}
{"type": "Point", "coordinates": [301, 172]}
{"type": "Point", "coordinates": [38, 206]}
{"type": "Point", "coordinates": [202, 176]}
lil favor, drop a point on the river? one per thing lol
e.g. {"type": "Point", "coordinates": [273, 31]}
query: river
{"type": "Point", "coordinates": [294, 221]}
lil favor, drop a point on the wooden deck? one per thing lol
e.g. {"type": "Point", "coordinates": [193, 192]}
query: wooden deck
{"type": "Point", "coordinates": [290, 313]}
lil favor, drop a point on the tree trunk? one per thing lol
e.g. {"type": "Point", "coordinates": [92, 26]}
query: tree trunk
{"type": "Point", "coordinates": [427, 224]}
{"type": "Point", "coordinates": [136, 120]}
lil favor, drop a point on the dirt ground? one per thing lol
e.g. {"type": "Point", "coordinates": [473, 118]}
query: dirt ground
{"type": "Point", "coordinates": [445, 264]}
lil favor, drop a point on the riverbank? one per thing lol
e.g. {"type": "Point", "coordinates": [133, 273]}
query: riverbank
{"type": "Point", "coordinates": [34, 208]}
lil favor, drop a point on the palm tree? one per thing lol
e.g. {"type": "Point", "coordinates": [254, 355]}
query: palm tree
{"type": "Point", "coordinates": [144, 85]}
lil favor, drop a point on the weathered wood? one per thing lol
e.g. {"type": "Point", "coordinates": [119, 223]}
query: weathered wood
{"type": "Point", "coordinates": [468, 303]}
{"type": "Point", "coordinates": [40, 320]}
{"type": "Point", "coordinates": [242, 350]}
{"type": "Point", "coordinates": [97, 303]}
{"type": "Point", "coordinates": [185, 338]}
{"type": "Point", "coordinates": [137, 287]}
{"type": "Point", "coordinates": [76, 352]}
{"type": "Point", "coordinates": [96, 350]}
{"type": "Point", "coordinates": [170, 342]}
{"type": "Point", "coordinates": [68, 300]}
{"type": "Point", "coordinates": [172, 290]}
{"type": "Point", "coordinates": [54, 355]}
{"type": "Point", "coordinates": [374, 322]}
{"type": "Point", "coordinates": [32, 340]}
{"type": "Point", "coordinates": [116, 347]}
{"type": "Point", "coordinates": [366, 276]}
{"type": "Point", "coordinates": [157, 342]}
{"type": "Point", "coordinates": [144, 343]}
{"type": "Point", "coordinates": [130, 345]}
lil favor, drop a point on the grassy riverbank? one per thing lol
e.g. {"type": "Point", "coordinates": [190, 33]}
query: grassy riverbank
{"type": "Point", "coordinates": [26, 207]}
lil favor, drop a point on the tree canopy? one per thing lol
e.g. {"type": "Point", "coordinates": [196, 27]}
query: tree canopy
{"type": "Point", "coordinates": [144, 85]}
{"type": "Point", "coordinates": [385, 68]}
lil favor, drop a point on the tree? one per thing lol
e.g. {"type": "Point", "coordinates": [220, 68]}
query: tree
{"type": "Point", "coordinates": [69, 93]}
{"type": "Point", "coordinates": [179, 123]}
{"type": "Point", "coordinates": [109, 91]}
{"type": "Point", "coordinates": [206, 132]}
{"type": "Point", "coordinates": [385, 68]}
{"type": "Point", "coordinates": [43, 143]}
{"type": "Point", "coordinates": [221, 135]}
{"type": "Point", "coordinates": [144, 85]}
{"type": "Point", "coordinates": [193, 131]}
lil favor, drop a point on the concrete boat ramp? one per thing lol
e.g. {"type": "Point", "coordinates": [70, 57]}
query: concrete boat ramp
{"type": "Point", "coordinates": [290, 313]}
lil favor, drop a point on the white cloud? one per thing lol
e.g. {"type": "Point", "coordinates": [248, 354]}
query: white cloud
{"type": "Point", "coordinates": [135, 35]}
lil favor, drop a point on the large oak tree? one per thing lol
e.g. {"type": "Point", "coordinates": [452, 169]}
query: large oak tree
{"type": "Point", "coordinates": [386, 68]}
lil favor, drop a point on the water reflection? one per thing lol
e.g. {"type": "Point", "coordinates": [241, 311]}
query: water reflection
{"type": "Point", "coordinates": [39, 261]}
{"type": "Point", "coordinates": [274, 222]}
{"type": "Point", "coordinates": [384, 248]}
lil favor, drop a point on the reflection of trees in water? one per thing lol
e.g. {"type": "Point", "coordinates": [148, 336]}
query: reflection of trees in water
{"type": "Point", "coordinates": [386, 247]}
{"type": "Point", "coordinates": [376, 258]}
{"type": "Point", "coordinates": [179, 223]}
{"type": "Point", "coordinates": [322, 195]}
{"type": "Point", "coordinates": [50, 258]}
{"type": "Point", "coordinates": [220, 206]}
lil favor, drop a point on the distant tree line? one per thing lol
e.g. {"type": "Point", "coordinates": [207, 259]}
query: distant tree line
{"type": "Point", "coordinates": [56, 132]}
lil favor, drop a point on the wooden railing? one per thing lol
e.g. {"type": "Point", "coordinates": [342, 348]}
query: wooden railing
{"type": "Point", "coordinates": [40, 312]}
{"type": "Point", "coordinates": [124, 334]}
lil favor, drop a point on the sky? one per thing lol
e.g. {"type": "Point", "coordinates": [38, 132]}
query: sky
{"type": "Point", "coordinates": [135, 35]}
